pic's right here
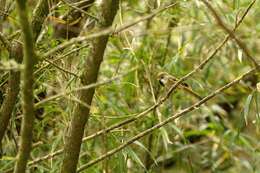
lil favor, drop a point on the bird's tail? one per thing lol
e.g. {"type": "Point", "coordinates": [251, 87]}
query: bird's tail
{"type": "Point", "coordinates": [189, 90]}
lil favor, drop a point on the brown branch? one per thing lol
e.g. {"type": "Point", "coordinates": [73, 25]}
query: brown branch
{"type": "Point", "coordinates": [27, 90]}
{"type": "Point", "coordinates": [151, 108]}
{"type": "Point", "coordinates": [12, 90]}
{"type": "Point", "coordinates": [89, 76]}
{"type": "Point", "coordinates": [170, 119]}
{"type": "Point", "coordinates": [230, 32]}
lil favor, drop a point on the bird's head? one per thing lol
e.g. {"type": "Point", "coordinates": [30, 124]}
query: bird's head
{"type": "Point", "coordinates": [163, 78]}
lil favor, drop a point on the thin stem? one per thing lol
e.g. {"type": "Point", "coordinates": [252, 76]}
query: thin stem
{"type": "Point", "coordinates": [27, 90]}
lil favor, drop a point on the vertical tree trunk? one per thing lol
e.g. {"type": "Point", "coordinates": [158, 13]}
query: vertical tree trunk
{"type": "Point", "coordinates": [12, 90]}
{"type": "Point", "coordinates": [81, 113]}
{"type": "Point", "coordinates": [27, 89]}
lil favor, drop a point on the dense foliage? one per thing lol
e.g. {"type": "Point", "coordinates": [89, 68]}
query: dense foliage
{"type": "Point", "coordinates": [220, 134]}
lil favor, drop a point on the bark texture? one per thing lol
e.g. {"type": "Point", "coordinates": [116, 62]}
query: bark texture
{"type": "Point", "coordinates": [81, 113]}
{"type": "Point", "coordinates": [26, 89]}
{"type": "Point", "coordinates": [12, 90]}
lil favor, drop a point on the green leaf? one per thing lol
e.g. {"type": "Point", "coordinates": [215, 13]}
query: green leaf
{"type": "Point", "coordinates": [165, 138]}
{"type": "Point", "coordinates": [236, 4]}
{"type": "Point", "coordinates": [178, 130]}
{"type": "Point", "coordinates": [247, 107]}
{"type": "Point", "coordinates": [143, 147]}
{"type": "Point", "coordinates": [7, 158]}
{"type": "Point", "coordinates": [134, 157]}
{"type": "Point", "coordinates": [240, 55]}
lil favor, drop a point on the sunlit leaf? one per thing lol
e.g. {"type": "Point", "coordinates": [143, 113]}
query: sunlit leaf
{"type": "Point", "coordinates": [240, 55]}
{"type": "Point", "coordinates": [247, 108]}
{"type": "Point", "coordinates": [134, 157]}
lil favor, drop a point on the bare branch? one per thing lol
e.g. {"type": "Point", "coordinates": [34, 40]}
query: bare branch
{"type": "Point", "coordinates": [62, 69]}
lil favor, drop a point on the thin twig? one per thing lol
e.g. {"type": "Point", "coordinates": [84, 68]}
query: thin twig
{"type": "Point", "coordinates": [78, 3]}
{"type": "Point", "coordinates": [60, 57]}
{"type": "Point", "coordinates": [83, 88]}
{"type": "Point", "coordinates": [107, 31]}
{"type": "Point", "coordinates": [62, 69]}
{"type": "Point", "coordinates": [79, 9]}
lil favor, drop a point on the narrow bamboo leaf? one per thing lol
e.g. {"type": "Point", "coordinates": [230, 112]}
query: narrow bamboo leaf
{"type": "Point", "coordinates": [247, 107]}
{"type": "Point", "coordinates": [143, 147]}
{"type": "Point", "coordinates": [258, 86]}
{"type": "Point", "coordinates": [178, 130]}
{"type": "Point", "coordinates": [240, 55]}
{"type": "Point", "coordinates": [165, 138]}
{"type": "Point", "coordinates": [134, 157]}
{"type": "Point", "coordinates": [257, 110]}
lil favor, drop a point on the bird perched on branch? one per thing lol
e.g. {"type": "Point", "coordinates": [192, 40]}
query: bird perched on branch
{"type": "Point", "coordinates": [167, 80]}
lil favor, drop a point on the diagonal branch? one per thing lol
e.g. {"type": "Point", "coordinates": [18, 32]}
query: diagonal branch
{"type": "Point", "coordinates": [170, 119]}
{"type": "Point", "coordinates": [230, 32]}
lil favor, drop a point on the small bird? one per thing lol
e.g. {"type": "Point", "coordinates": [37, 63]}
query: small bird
{"type": "Point", "coordinates": [167, 80]}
